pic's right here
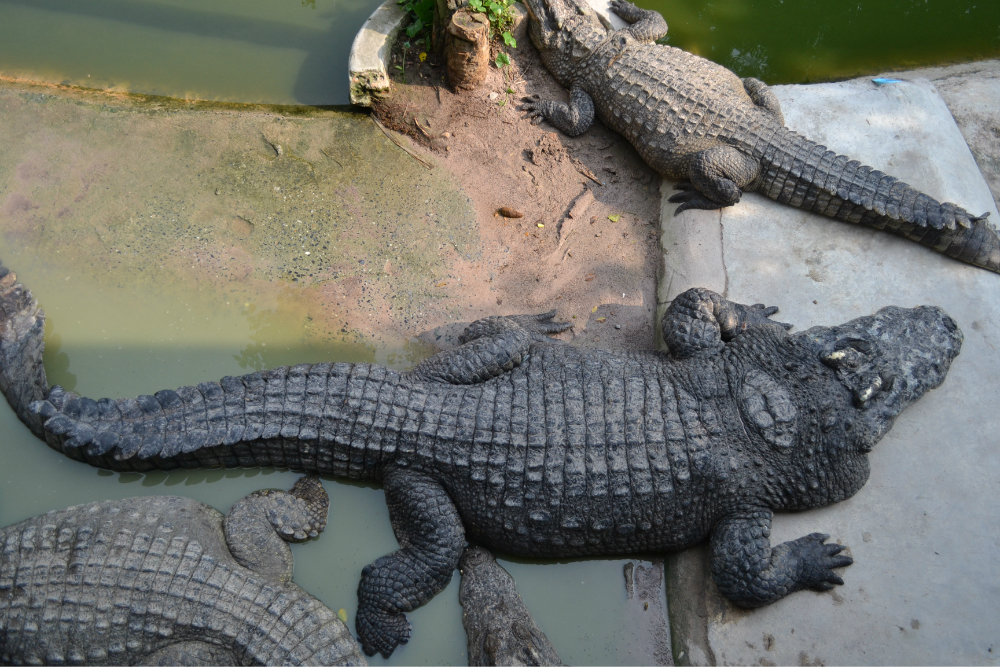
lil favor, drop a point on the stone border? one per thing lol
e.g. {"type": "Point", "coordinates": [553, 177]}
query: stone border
{"type": "Point", "coordinates": [367, 66]}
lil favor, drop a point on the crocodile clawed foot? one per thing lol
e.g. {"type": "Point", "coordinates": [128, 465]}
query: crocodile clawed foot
{"type": "Point", "coordinates": [758, 313]}
{"type": "Point", "coordinates": [818, 560]}
{"type": "Point", "coordinates": [541, 323]}
{"type": "Point", "coordinates": [623, 8]}
{"type": "Point", "coordinates": [690, 198]}
{"type": "Point", "coordinates": [735, 318]}
{"type": "Point", "coordinates": [381, 632]}
{"type": "Point", "coordinates": [533, 108]}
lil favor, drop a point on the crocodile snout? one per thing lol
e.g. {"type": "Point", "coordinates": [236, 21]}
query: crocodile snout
{"type": "Point", "coordinates": [888, 360]}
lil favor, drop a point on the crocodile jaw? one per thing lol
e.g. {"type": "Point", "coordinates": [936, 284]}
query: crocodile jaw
{"type": "Point", "coordinates": [887, 360]}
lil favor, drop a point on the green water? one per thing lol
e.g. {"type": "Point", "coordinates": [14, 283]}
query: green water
{"type": "Point", "coordinates": [803, 41]}
{"type": "Point", "coordinates": [170, 246]}
{"type": "Point", "coordinates": [273, 51]}
{"type": "Point", "coordinates": [109, 342]}
{"type": "Point", "coordinates": [295, 51]}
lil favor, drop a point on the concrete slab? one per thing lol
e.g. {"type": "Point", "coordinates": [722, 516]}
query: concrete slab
{"type": "Point", "coordinates": [923, 531]}
{"type": "Point", "coordinates": [972, 93]}
{"type": "Point", "coordinates": [368, 63]}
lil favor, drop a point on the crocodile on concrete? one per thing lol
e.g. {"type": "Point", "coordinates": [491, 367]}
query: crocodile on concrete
{"type": "Point", "coordinates": [165, 580]}
{"type": "Point", "coordinates": [499, 627]}
{"type": "Point", "coordinates": [719, 135]}
{"type": "Point", "coordinates": [535, 447]}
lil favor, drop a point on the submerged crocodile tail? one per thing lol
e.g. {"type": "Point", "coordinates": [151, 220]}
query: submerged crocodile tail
{"type": "Point", "coordinates": [22, 329]}
{"type": "Point", "coordinates": [310, 417]}
{"type": "Point", "coordinates": [802, 173]}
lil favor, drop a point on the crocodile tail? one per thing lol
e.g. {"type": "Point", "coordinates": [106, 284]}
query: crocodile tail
{"type": "Point", "coordinates": [802, 173]}
{"type": "Point", "coordinates": [22, 341]}
{"type": "Point", "coordinates": [308, 418]}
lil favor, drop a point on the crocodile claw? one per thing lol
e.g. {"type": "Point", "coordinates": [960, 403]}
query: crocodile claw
{"type": "Point", "coordinates": [534, 108]}
{"type": "Point", "coordinates": [758, 313]}
{"type": "Point", "coordinates": [541, 323]}
{"type": "Point", "coordinates": [380, 631]}
{"type": "Point", "coordinates": [818, 560]}
{"type": "Point", "coordinates": [690, 198]}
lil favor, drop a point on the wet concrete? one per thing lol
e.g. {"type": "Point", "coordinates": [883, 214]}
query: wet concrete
{"type": "Point", "coordinates": [235, 199]}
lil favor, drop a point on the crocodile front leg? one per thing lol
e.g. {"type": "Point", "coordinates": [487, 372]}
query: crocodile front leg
{"type": "Point", "coordinates": [431, 538]}
{"type": "Point", "coordinates": [647, 26]}
{"type": "Point", "coordinates": [717, 176]}
{"type": "Point", "coordinates": [752, 574]}
{"type": "Point", "coordinates": [572, 119]}
{"type": "Point", "coordinates": [492, 346]}
{"type": "Point", "coordinates": [700, 320]}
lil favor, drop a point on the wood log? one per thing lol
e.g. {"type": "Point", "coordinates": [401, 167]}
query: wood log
{"type": "Point", "coordinates": [467, 49]}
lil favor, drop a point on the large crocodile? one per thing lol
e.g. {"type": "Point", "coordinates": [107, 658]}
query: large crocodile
{"type": "Point", "coordinates": [697, 122]}
{"type": "Point", "coordinates": [164, 580]}
{"type": "Point", "coordinates": [539, 448]}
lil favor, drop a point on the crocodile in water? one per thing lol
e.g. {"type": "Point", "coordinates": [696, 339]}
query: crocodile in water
{"type": "Point", "coordinates": [538, 448]}
{"type": "Point", "coordinates": [165, 580]}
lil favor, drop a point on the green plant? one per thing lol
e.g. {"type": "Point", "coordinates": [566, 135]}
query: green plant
{"type": "Point", "coordinates": [502, 60]}
{"type": "Point", "coordinates": [421, 14]}
{"type": "Point", "coordinates": [501, 20]}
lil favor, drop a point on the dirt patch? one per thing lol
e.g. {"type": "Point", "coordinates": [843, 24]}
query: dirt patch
{"type": "Point", "coordinates": [586, 239]}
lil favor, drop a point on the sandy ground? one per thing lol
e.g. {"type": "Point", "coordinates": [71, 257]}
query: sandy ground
{"type": "Point", "coordinates": [586, 241]}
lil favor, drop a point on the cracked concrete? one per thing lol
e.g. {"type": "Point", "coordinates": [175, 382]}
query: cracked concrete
{"type": "Point", "coordinates": [923, 589]}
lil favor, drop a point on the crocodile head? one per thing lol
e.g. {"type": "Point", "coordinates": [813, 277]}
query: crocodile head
{"type": "Point", "coordinates": [565, 32]}
{"type": "Point", "coordinates": [821, 404]}
{"type": "Point", "coordinates": [886, 361]}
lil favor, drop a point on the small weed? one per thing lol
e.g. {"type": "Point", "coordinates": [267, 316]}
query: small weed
{"type": "Point", "coordinates": [501, 20]}
{"type": "Point", "coordinates": [421, 16]}
{"type": "Point", "coordinates": [502, 60]}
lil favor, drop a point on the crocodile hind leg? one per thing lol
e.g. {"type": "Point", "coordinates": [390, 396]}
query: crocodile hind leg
{"type": "Point", "coordinates": [717, 178]}
{"type": "Point", "coordinates": [763, 97]}
{"type": "Point", "coordinates": [752, 574]}
{"type": "Point", "coordinates": [700, 320]}
{"type": "Point", "coordinates": [431, 539]}
{"type": "Point", "coordinates": [647, 26]}
{"type": "Point", "coordinates": [259, 525]}
{"type": "Point", "coordinates": [492, 346]}
{"type": "Point", "coordinates": [572, 119]}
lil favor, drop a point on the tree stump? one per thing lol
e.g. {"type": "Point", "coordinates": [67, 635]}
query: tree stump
{"type": "Point", "coordinates": [467, 49]}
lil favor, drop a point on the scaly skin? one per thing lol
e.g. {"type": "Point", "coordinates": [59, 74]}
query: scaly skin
{"type": "Point", "coordinates": [697, 122]}
{"type": "Point", "coordinates": [537, 448]}
{"type": "Point", "coordinates": [152, 580]}
{"type": "Point", "coordinates": [500, 629]}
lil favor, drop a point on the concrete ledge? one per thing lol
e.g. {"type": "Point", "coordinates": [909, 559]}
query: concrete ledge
{"type": "Point", "coordinates": [368, 63]}
{"type": "Point", "coordinates": [923, 588]}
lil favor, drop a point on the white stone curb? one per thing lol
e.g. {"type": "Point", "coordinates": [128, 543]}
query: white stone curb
{"type": "Point", "coordinates": [368, 64]}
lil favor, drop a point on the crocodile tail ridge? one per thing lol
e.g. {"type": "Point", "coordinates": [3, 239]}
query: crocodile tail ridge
{"type": "Point", "coordinates": [22, 342]}
{"type": "Point", "coordinates": [802, 173]}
